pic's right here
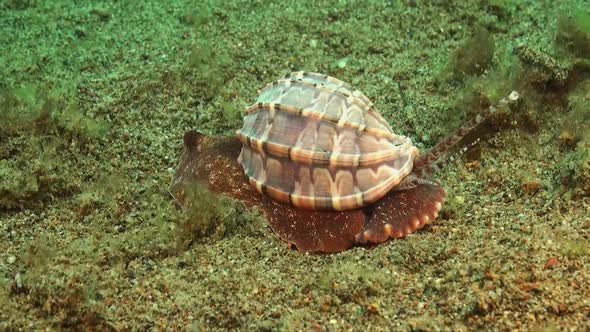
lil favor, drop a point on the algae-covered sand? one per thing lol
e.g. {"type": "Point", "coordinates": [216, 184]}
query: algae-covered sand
{"type": "Point", "coordinates": [96, 96]}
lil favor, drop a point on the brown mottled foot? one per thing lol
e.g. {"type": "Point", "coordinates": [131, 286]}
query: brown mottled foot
{"type": "Point", "coordinates": [314, 231]}
{"type": "Point", "coordinates": [211, 161]}
{"type": "Point", "coordinates": [402, 212]}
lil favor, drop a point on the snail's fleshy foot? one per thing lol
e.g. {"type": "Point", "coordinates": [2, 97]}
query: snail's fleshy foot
{"type": "Point", "coordinates": [314, 231]}
{"type": "Point", "coordinates": [211, 161]}
{"type": "Point", "coordinates": [403, 212]}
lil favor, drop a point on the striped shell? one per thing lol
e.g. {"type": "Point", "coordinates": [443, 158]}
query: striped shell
{"type": "Point", "coordinates": [313, 141]}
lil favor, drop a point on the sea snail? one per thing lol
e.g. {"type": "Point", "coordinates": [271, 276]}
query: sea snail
{"type": "Point", "coordinates": [335, 172]}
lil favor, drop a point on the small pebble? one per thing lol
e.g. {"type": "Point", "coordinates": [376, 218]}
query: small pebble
{"type": "Point", "coordinates": [438, 283]}
{"type": "Point", "coordinates": [551, 263]}
{"type": "Point", "coordinates": [341, 63]}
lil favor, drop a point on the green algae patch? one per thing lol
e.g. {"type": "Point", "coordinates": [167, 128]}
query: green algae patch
{"type": "Point", "coordinates": [36, 173]}
{"type": "Point", "coordinates": [208, 217]}
{"type": "Point", "coordinates": [35, 111]}
{"type": "Point", "coordinates": [576, 126]}
{"type": "Point", "coordinates": [481, 92]}
{"type": "Point", "coordinates": [575, 170]}
{"type": "Point", "coordinates": [201, 216]}
{"type": "Point", "coordinates": [473, 57]}
{"type": "Point", "coordinates": [575, 248]}
{"type": "Point", "coordinates": [210, 67]}
{"type": "Point", "coordinates": [575, 136]}
{"type": "Point", "coordinates": [573, 32]}
{"type": "Point", "coordinates": [49, 285]}
{"type": "Point", "coordinates": [100, 194]}
{"type": "Point", "coordinates": [220, 116]}
{"type": "Point", "coordinates": [40, 130]}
